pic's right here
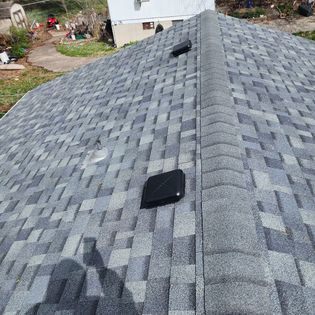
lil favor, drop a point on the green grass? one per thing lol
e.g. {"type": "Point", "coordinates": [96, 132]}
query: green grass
{"type": "Point", "coordinates": [85, 49]}
{"type": "Point", "coordinates": [248, 13]}
{"type": "Point", "coordinates": [12, 89]}
{"type": "Point", "coordinates": [287, 9]}
{"type": "Point", "coordinates": [20, 41]}
{"type": "Point", "coordinates": [307, 34]}
{"type": "Point", "coordinates": [130, 44]}
{"type": "Point", "coordinates": [40, 15]}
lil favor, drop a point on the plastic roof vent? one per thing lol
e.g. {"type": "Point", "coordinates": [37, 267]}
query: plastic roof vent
{"type": "Point", "coordinates": [163, 189]}
{"type": "Point", "coordinates": [182, 48]}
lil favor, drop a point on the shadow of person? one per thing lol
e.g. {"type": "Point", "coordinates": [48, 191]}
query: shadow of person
{"type": "Point", "coordinates": [68, 288]}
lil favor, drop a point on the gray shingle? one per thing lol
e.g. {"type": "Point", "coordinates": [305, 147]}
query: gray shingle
{"type": "Point", "coordinates": [227, 298]}
{"type": "Point", "coordinates": [141, 104]}
{"type": "Point", "coordinates": [269, 74]}
{"type": "Point", "coordinates": [236, 114]}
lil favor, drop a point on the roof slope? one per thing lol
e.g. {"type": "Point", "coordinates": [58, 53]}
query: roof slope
{"type": "Point", "coordinates": [257, 121]}
{"type": "Point", "coordinates": [138, 109]}
{"type": "Point", "coordinates": [236, 114]}
{"type": "Point", "coordinates": [271, 76]}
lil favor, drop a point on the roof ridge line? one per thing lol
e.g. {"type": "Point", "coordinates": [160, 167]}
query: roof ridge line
{"type": "Point", "coordinates": [240, 276]}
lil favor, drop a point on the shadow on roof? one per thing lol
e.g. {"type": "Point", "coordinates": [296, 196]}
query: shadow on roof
{"type": "Point", "coordinates": [69, 282]}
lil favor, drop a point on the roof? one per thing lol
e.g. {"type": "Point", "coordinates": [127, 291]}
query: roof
{"type": "Point", "coordinates": [236, 114]}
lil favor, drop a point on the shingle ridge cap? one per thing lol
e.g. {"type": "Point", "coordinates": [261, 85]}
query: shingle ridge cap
{"type": "Point", "coordinates": [234, 267]}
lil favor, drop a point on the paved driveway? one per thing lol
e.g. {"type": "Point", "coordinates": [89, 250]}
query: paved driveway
{"type": "Point", "coordinates": [48, 57]}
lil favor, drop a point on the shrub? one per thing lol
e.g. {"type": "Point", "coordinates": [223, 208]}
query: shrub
{"type": "Point", "coordinates": [308, 34]}
{"type": "Point", "coordinates": [248, 13]}
{"type": "Point", "coordinates": [20, 41]}
{"type": "Point", "coordinates": [286, 8]}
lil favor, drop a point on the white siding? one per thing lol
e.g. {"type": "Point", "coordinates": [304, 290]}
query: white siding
{"type": "Point", "coordinates": [129, 11]}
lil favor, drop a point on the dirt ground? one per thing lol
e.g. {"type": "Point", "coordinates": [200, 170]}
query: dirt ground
{"type": "Point", "coordinates": [11, 74]}
{"type": "Point", "coordinates": [289, 24]}
{"type": "Point", "coordinates": [42, 37]}
{"type": "Point", "coordinates": [292, 25]}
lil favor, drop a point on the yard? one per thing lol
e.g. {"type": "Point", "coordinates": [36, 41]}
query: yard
{"type": "Point", "coordinates": [85, 49]}
{"type": "Point", "coordinates": [14, 84]}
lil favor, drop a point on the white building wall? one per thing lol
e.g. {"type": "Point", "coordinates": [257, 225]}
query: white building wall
{"type": "Point", "coordinates": [130, 11]}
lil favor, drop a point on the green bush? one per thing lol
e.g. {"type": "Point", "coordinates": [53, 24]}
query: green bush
{"type": "Point", "coordinates": [308, 34]}
{"type": "Point", "coordinates": [20, 41]}
{"type": "Point", "coordinates": [286, 8]}
{"type": "Point", "coordinates": [248, 13]}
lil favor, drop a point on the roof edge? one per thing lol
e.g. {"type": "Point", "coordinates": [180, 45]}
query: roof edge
{"type": "Point", "coordinates": [234, 273]}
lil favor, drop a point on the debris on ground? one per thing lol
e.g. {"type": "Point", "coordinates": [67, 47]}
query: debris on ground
{"type": "Point", "coordinates": [6, 57]}
{"type": "Point", "coordinates": [294, 25]}
{"type": "Point", "coordinates": [306, 9]}
{"type": "Point", "coordinates": [268, 9]}
{"type": "Point", "coordinates": [89, 24]}
{"type": "Point", "coordinates": [52, 21]}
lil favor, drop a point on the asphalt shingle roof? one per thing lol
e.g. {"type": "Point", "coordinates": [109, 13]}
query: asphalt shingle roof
{"type": "Point", "coordinates": [236, 113]}
{"type": "Point", "coordinates": [271, 76]}
{"type": "Point", "coordinates": [138, 111]}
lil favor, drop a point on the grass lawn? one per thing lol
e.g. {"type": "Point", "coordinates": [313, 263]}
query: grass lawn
{"type": "Point", "coordinates": [307, 34]}
{"type": "Point", "coordinates": [13, 88]}
{"type": "Point", "coordinates": [85, 49]}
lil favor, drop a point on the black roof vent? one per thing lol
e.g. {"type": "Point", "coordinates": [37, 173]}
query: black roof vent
{"type": "Point", "coordinates": [163, 189]}
{"type": "Point", "coordinates": [182, 48]}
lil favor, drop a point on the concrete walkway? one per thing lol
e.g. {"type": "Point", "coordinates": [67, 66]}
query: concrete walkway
{"type": "Point", "coordinates": [48, 57]}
